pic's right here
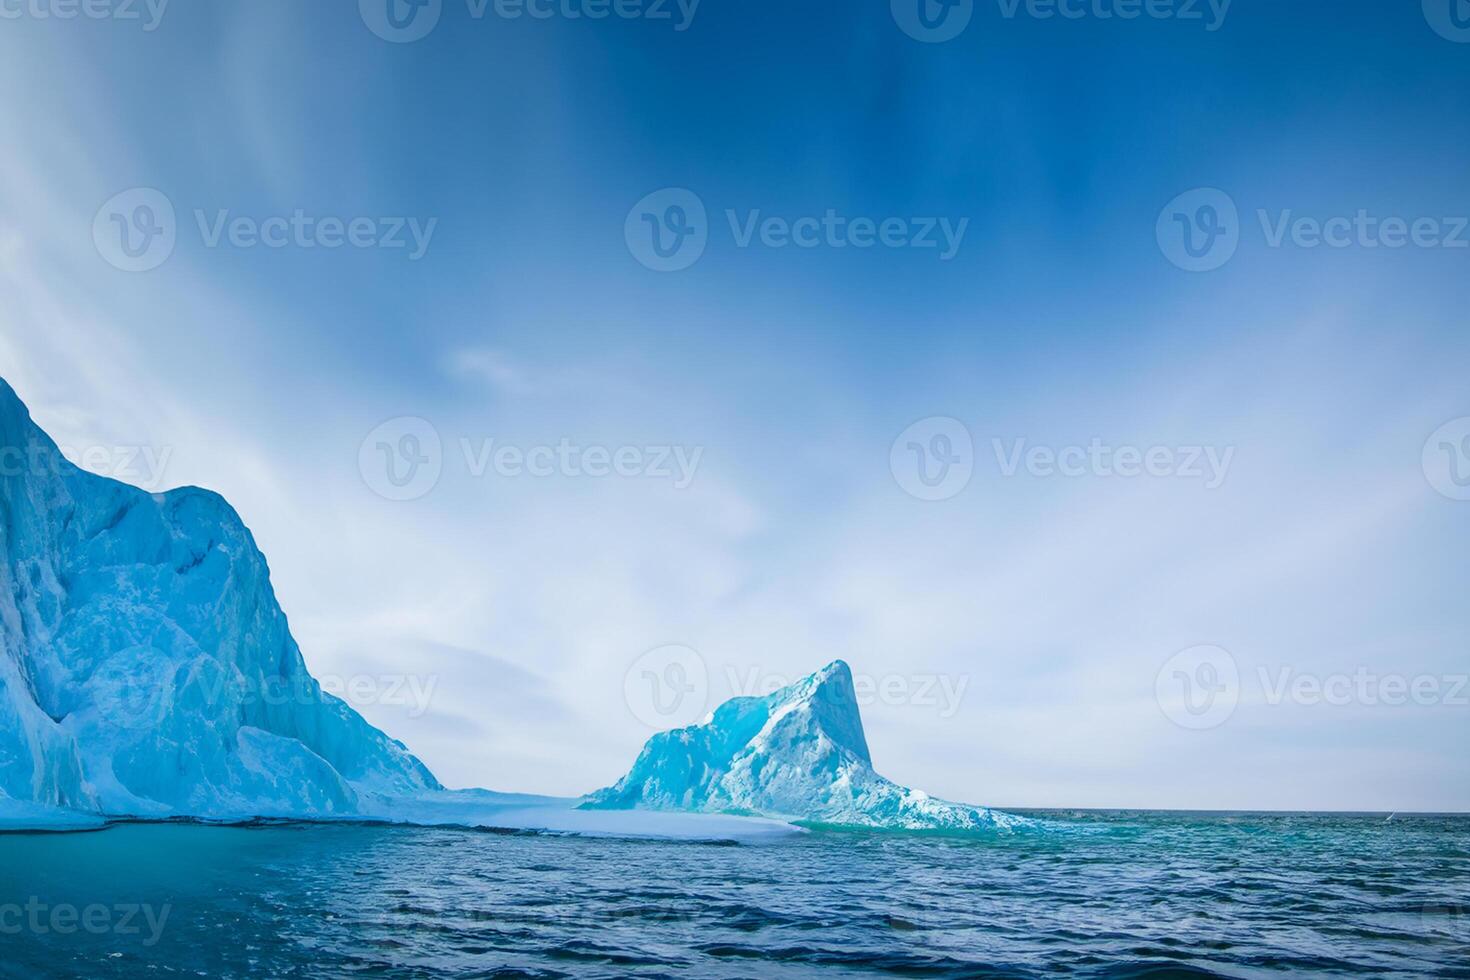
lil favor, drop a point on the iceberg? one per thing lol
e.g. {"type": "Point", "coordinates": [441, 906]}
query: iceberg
{"type": "Point", "coordinates": [146, 668]}
{"type": "Point", "coordinates": [798, 754]}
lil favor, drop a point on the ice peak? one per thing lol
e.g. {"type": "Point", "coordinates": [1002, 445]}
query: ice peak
{"type": "Point", "coordinates": [829, 699]}
{"type": "Point", "coordinates": [15, 418]}
{"type": "Point", "coordinates": [837, 672]}
{"type": "Point", "coordinates": [797, 753]}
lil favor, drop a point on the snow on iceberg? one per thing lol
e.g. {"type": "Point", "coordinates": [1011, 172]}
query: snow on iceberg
{"type": "Point", "coordinates": [145, 666]}
{"type": "Point", "coordinates": [796, 754]}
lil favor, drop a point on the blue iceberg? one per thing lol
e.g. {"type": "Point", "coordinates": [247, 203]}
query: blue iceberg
{"type": "Point", "coordinates": [145, 666]}
{"type": "Point", "coordinates": [797, 754]}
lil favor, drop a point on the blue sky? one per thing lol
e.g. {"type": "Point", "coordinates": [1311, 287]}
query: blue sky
{"type": "Point", "coordinates": [1054, 601]}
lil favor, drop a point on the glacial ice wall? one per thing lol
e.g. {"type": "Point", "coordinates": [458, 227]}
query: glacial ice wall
{"type": "Point", "coordinates": [145, 666]}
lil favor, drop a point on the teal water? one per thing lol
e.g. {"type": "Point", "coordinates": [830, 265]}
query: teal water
{"type": "Point", "coordinates": [1097, 895]}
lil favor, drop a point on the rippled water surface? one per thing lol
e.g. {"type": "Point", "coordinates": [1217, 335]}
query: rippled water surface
{"type": "Point", "coordinates": [1095, 895]}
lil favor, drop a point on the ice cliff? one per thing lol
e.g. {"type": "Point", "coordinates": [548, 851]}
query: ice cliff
{"type": "Point", "coordinates": [799, 754]}
{"type": "Point", "coordinates": [145, 666]}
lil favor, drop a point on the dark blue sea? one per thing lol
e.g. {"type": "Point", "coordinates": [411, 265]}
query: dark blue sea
{"type": "Point", "coordinates": [1094, 895]}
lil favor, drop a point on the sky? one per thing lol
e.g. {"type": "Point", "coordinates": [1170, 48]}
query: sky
{"type": "Point", "coordinates": [1095, 385]}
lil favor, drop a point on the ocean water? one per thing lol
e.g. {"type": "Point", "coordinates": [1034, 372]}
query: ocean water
{"type": "Point", "coordinates": [1094, 895]}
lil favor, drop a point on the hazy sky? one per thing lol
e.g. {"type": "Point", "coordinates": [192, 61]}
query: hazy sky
{"type": "Point", "coordinates": [1023, 627]}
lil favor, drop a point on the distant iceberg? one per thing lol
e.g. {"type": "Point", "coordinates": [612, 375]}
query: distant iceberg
{"type": "Point", "coordinates": [797, 754]}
